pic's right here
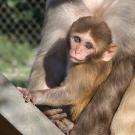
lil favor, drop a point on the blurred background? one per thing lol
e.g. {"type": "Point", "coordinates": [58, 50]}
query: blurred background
{"type": "Point", "coordinates": [21, 22]}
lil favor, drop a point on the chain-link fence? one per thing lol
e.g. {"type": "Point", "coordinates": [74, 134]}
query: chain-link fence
{"type": "Point", "coordinates": [21, 23]}
{"type": "Point", "coordinates": [22, 20]}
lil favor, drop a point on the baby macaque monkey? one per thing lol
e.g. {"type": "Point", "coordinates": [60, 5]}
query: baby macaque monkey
{"type": "Point", "coordinates": [90, 50]}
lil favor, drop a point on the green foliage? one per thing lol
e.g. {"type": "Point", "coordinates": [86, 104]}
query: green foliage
{"type": "Point", "coordinates": [12, 3]}
{"type": "Point", "coordinates": [13, 54]}
{"type": "Point", "coordinates": [15, 60]}
{"type": "Point", "coordinates": [19, 82]}
{"type": "Point", "coordinates": [21, 22]}
{"type": "Point", "coordinates": [22, 19]}
{"type": "Point", "coordinates": [22, 10]}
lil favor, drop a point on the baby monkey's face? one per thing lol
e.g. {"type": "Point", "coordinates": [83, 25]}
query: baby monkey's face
{"type": "Point", "coordinates": [82, 46]}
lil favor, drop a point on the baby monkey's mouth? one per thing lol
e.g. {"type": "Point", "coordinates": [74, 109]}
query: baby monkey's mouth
{"type": "Point", "coordinates": [75, 60]}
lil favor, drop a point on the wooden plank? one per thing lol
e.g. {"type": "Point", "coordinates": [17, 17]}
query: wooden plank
{"type": "Point", "coordinates": [6, 128]}
{"type": "Point", "coordinates": [25, 117]}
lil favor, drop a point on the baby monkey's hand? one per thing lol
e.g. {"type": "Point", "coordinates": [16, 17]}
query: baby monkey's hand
{"type": "Point", "coordinates": [27, 95]}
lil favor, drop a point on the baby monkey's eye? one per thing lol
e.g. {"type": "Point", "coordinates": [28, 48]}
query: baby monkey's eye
{"type": "Point", "coordinates": [89, 45]}
{"type": "Point", "coordinates": [77, 39]}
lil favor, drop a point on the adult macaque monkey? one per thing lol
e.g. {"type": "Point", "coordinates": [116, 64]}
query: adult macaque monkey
{"type": "Point", "coordinates": [119, 16]}
{"type": "Point", "coordinates": [96, 118]}
{"type": "Point", "coordinates": [90, 53]}
{"type": "Point", "coordinates": [124, 120]}
{"type": "Point", "coordinates": [60, 14]}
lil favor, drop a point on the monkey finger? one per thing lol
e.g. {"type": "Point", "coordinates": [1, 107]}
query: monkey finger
{"type": "Point", "coordinates": [33, 99]}
{"type": "Point", "coordinates": [68, 123]}
{"type": "Point", "coordinates": [27, 95]}
{"type": "Point", "coordinates": [22, 90]}
{"type": "Point", "coordinates": [19, 88]}
{"type": "Point", "coordinates": [28, 98]}
{"type": "Point", "coordinates": [58, 116]}
{"type": "Point", "coordinates": [53, 112]}
{"type": "Point", "coordinates": [62, 127]}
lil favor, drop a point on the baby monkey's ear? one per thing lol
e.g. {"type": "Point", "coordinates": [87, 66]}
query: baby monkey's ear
{"type": "Point", "coordinates": [110, 52]}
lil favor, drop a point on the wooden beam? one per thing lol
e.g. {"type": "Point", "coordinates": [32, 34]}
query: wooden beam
{"type": "Point", "coordinates": [21, 117]}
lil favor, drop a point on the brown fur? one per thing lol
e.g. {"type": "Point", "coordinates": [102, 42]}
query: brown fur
{"type": "Point", "coordinates": [78, 88]}
{"type": "Point", "coordinates": [124, 120]}
{"type": "Point", "coordinates": [83, 78]}
{"type": "Point", "coordinates": [96, 119]}
{"type": "Point", "coordinates": [119, 15]}
{"type": "Point", "coordinates": [100, 110]}
{"type": "Point", "coordinates": [90, 77]}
